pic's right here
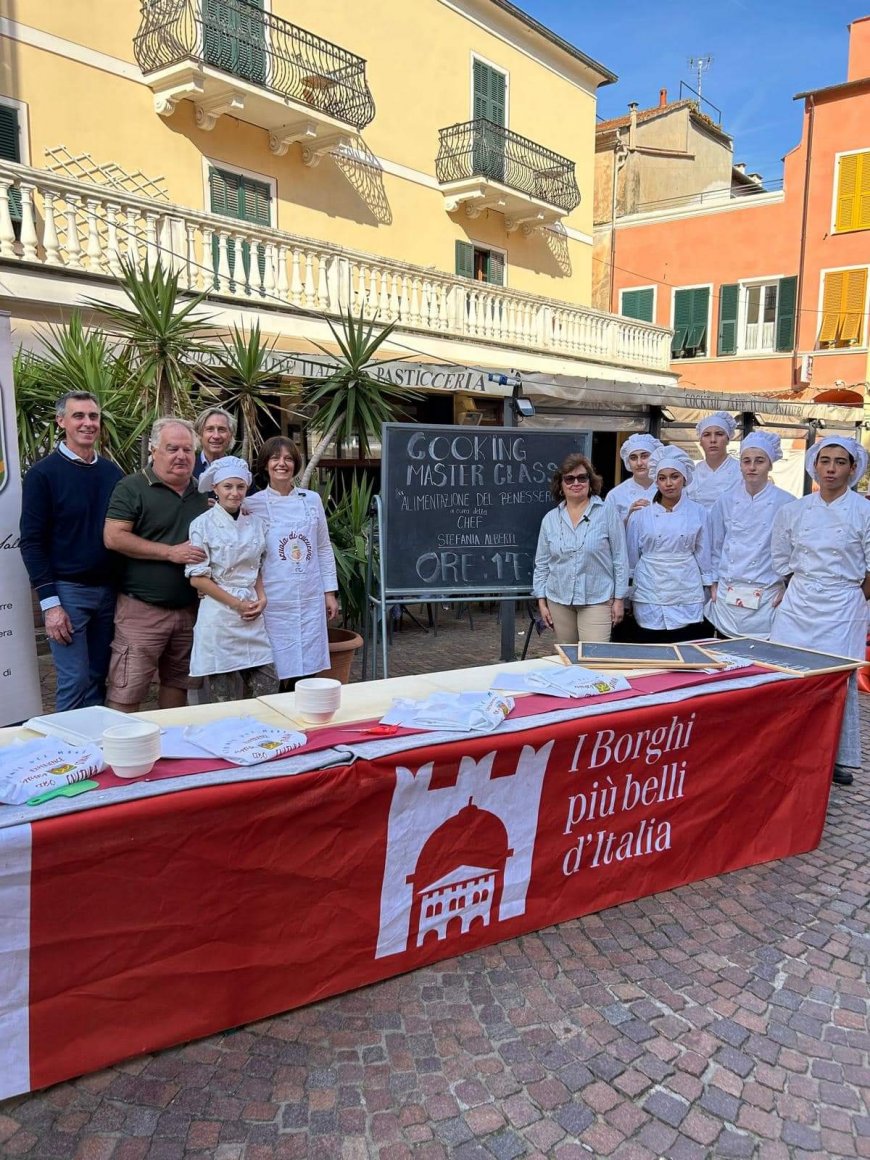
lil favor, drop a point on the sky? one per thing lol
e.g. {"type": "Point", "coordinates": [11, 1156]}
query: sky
{"type": "Point", "coordinates": [763, 53]}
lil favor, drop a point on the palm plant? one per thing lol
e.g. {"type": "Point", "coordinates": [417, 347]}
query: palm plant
{"type": "Point", "coordinates": [162, 334]}
{"type": "Point", "coordinates": [77, 359]}
{"type": "Point", "coordinates": [351, 400]}
{"type": "Point", "coordinates": [243, 359]}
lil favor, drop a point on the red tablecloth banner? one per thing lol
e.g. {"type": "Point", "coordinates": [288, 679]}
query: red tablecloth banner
{"type": "Point", "coordinates": [158, 921]}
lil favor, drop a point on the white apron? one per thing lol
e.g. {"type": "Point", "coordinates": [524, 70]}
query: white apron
{"type": "Point", "coordinates": [298, 570]}
{"type": "Point", "coordinates": [733, 620]}
{"type": "Point", "coordinates": [222, 641]}
{"type": "Point", "coordinates": [740, 528]}
{"type": "Point", "coordinates": [670, 556]}
{"type": "Point", "coordinates": [821, 610]}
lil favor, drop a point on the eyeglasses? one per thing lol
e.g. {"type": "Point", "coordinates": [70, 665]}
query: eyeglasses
{"type": "Point", "coordinates": [572, 479]}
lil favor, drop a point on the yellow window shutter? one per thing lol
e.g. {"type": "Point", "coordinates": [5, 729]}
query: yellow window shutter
{"type": "Point", "coordinates": [863, 192]}
{"type": "Point", "coordinates": [832, 297]}
{"type": "Point", "coordinates": [854, 296]}
{"type": "Point", "coordinates": [847, 188]}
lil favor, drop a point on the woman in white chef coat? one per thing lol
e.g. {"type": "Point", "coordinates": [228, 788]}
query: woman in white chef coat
{"type": "Point", "coordinates": [299, 568]}
{"type": "Point", "coordinates": [822, 542]}
{"type": "Point", "coordinates": [747, 588]}
{"type": "Point", "coordinates": [640, 488]}
{"type": "Point", "coordinates": [669, 554]}
{"type": "Point", "coordinates": [717, 472]}
{"type": "Point", "coordinates": [230, 645]}
{"type": "Point", "coordinates": [581, 566]}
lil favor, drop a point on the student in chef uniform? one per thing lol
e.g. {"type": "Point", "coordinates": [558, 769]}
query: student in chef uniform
{"type": "Point", "coordinates": [747, 587]}
{"type": "Point", "coordinates": [822, 542]}
{"type": "Point", "coordinates": [230, 645]}
{"type": "Point", "coordinates": [635, 453]}
{"type": "Point", "coordinates": [717, 472]}
{"type": "Point", "coordinates": [669, 554]}
{"type": "Point", "coordinates": [299, 568]}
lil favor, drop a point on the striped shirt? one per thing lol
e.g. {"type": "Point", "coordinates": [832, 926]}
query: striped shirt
{"type": "Point", "coordinates": [586, 564]}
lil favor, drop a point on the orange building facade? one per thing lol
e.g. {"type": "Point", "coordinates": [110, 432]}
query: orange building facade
{"type": "Point", "coordinates": [766, 290]}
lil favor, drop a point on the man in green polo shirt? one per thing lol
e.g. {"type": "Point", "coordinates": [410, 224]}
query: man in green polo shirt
{"type": "Point", "coordinates": [147, 525]}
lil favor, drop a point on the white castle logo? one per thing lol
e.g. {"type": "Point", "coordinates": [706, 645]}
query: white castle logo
{"type": "Point", "coordinates": [458, 855]}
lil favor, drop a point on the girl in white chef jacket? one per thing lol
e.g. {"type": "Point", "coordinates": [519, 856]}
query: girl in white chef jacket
{"type": "Point", "coordinates": [299, 567]}
{"type": "Point", "coordinates": [669, 554]}
{"type": "Point", "coordinates": [717, 472]}
{"type": "Point", "coordinates": [635, 454]}
{"type": "Point", "coordinates": [230, 645]}
{"type": "Point", "coordinates": [747, 587]}
{"type": "Point", "coordinates": [822, 542]}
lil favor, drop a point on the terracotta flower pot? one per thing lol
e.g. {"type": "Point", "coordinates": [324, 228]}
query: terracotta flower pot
{"type": "Point", "coordinates": [343, 643]}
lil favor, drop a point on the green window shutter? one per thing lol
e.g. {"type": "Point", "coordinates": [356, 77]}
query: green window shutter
{"type": "Point", "coordinates": [464, 260]}
{"type": "Point", "coordinates": [490, 93]}
{"type": "Point", "coordinates": [786, 303]}
{"type": "Point", "coordinates": [728, 296]}
{"type": "Point", "coordinates": [682, 321]}
{"type": "Point", "coordinates": [10, 134]}
{"type": "Point", "coordinates": [700, 304]}
{"type": "Point", "coordinates": [10, 150]}
{"type": "Point", "coordinates": [255, 201]}
{"type": "Point", "coordinates": [495, 268]}
{"type": "Point", "coordinates": [638, 304]}
{"type": "Point", "coordinates": [223, 192]}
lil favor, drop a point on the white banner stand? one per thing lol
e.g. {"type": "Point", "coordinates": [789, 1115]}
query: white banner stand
{"type": "Point", "coordinates": [20, 695]}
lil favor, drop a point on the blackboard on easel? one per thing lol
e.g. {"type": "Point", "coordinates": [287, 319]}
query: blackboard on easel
{"type": "Point", "coordinates": [462, 507]}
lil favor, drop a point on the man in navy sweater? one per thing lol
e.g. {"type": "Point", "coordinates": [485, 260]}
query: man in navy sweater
{"type": "Point", "coordinates": [63, 507]}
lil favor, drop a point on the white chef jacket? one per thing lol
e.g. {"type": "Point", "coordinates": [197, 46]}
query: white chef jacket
{"type": "Point", "coordinates": [581, 565]}
{"type": "Point", "coordinates": [669, 558]}
{"type": "Point", "coordinates": [624, 494]}
{"type": "Point", "coordinates": [708, 485]}
{"type": "Point", "coordinates": [740, 527]}
{"type": "Point", "coordinates": [234, 548]}
{"type": "Point", "coordinates": [825, 547]}
{"type": "Point", "coordinates": [298, 569]}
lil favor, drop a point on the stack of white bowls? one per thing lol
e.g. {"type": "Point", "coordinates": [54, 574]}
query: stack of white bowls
{"type": "Point", "coordinates": [131, 749]}
{"type": "Point", "coordinates": [318, 699]}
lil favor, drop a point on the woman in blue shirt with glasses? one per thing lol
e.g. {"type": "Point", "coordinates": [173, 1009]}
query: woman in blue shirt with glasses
{"type": "Point", "coordinates": [581, 565]}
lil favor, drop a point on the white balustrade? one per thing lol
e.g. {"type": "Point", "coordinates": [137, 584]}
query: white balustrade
{"type": "Point", "coordinates": [50, 220]}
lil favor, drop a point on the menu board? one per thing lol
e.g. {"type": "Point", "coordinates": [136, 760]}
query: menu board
{"type": "Point", "coordinates": [463, 506]}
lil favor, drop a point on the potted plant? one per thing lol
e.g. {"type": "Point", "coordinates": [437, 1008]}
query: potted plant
{"type": "Point", "coordinates": [347, 517]}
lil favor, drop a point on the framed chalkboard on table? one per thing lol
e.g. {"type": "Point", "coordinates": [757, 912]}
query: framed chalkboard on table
{"type": "Point", "coordinates": [615, 654]}
{"type": "Point", "coordinates": [784, 658]}
{"type": "Point", "coordinates": [461, 507]}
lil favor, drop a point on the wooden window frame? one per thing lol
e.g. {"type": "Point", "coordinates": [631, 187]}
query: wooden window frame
{"type": "Point", "coordinates": [476, 56]}
{"type": "Point", "coordinates": [210, 163]}
{"type": "Point", "coordinates": [838, 158]}
{"type": "Point", "coordinates": [477, 247]}
{"type": "Point", "coordinates": [633, 290]}
{"type": "Point", "coordinates": [708, 286]}
{"type": "Point", "coordinates": [835, 344]}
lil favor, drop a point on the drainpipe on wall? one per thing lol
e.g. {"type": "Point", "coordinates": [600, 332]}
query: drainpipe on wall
{"type": "Point", "coordinates": [619, 157]}
{"type": "Point", "coordinates": [798, 314]}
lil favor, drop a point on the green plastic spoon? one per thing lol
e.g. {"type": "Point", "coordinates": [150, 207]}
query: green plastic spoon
{"type": "Point", "coordinates": [73, 790]}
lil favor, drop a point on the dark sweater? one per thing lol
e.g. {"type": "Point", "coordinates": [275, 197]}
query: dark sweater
{"type": "Point", "coordinates": [63, 508]}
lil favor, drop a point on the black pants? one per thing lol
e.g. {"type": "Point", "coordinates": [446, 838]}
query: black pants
{"type": "Point", "coordinates": [698, 630]}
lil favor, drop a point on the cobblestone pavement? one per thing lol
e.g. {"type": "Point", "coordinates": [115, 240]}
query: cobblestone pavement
{"type": "Point", "coordinates": [724, 1019]}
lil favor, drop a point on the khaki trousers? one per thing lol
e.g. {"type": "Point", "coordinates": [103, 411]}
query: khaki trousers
{"type": "Point", "coordinates": [576, 622]}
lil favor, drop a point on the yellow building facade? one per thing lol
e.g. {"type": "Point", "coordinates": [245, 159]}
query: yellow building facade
{"type": "Point", "coordinates": [428, 162]}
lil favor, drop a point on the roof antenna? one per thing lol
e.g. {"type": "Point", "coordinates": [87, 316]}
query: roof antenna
{"type": "Point", "coordinates": [700, 65]}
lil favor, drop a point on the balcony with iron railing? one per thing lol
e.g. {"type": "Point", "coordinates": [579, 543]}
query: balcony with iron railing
{"type": "Point", "coordinates": [482, 165]}
{"type": "Point", "coordinates": [52, 225]}
{"type": "Point", "coordinates": [229, 56]}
